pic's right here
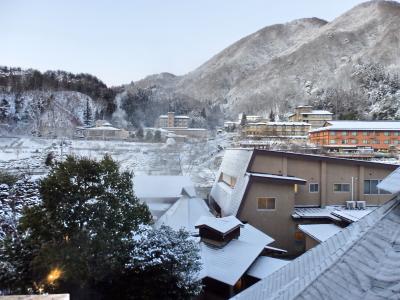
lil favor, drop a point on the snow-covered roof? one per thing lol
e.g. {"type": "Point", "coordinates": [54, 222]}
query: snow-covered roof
{"type": "Point", "coordinates": [314, 213]}
{"type": "Point", "coordinates": [278, 177]}
{"type": "Point", "coordinates": [234, 163]}
{"type": "Point", "coordinates": [156, 187]}
{"type": "Point", "coordinates": [280, 123]}
{"type": "Point", "coordinates": [320, 232]}
{"type": "Point", "coordinates": [110, 128]}
{"type": "Point", "coordinates": [229, 263]}
{"type": "Point", "coordinates": [317, 112]}
{"type": "Point", "coordinates": [391, 183]}
{"type": "Point", "coordinates": [264, 266]}
{"type": "Point", "coordinates": [360, 262]}
{"type": "Point", "coordinates": [176, 117]}
{"type": "Point", "coordinates": [360, 125]}
{"type": "Point", "coordinates": [335, 213]}
{"type": "Point", "coordinates": [352, 215]}
{"type": "Point", "coordinates": [184, 214]}
{"type": "Point", "coordinates": [222, 225]}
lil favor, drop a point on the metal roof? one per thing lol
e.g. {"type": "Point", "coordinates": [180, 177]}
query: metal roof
{"type": "Point", "coordinates": [359, 125]}
{"type": "Point", "coordinates": [360, 262]}
{"type": "Point", "coordinates": [391, 183]}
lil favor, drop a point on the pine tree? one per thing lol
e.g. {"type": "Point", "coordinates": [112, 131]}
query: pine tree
{"type": "Point", "coordinates": [87, 115]}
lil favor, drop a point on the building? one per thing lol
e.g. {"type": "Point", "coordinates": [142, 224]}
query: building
{"type": "Point", "coordinates": [378, 135]}
{"type": "Point", "coordinates": [221, 240]}
{"type": "Point", "coordinates": [276, 191]}
{"type": "Point", "coordinates": [359, 262]}
{"type": "Point", "coordinates": [160, 193]}
{"type": "Point", "coordinates": [276, 129]}
{"type": "Point", "coordinates": [250, 118]}
{"type": "Point", "coordinates": [103, 130]}
{"type": "Point", "coordinates": [306, 114]}
{"type": "Point", "coordinates": [170, 120]}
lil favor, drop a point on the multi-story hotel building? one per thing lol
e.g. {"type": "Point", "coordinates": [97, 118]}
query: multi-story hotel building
{"type": "Point", "coordinates": [306, 114]}
{"type": "Point", "coordinates": [378, 135]}
{"type": "Point", "coordinates": [276, 129]}
{"type": "Point", "coordinates": [171, 121]}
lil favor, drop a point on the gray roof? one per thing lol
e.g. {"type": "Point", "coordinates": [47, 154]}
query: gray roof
{"type": "Point", "coordinates": [360, 262]}
{"type": "Point", "coordinates": [391, 183]}
{"type": "Point", "coordinates": [360, 125]}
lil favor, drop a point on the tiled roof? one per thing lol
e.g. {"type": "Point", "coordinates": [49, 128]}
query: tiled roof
{"type": "Point", "coordinates": [360, 262]}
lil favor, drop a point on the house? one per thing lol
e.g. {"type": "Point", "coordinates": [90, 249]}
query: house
{"type": "Point", "coordinates": [103, 130]}
{"type": "Point", "coordinates": [170, 120]}
{"type": "Point", "coordinates": [277, 191]}
{"type": "Point", "coordinates": [276, 129]}
{"type": "Point", "coordinates": [161, 192]}
{"type": "Point", "coordinates": [359, 262]}
{"type": "Point", "coordinates": [378, 135]}
{"type": "Point", "coordinates": [306, 114]}
{"type": "Point", "coordinates": [229, 249]}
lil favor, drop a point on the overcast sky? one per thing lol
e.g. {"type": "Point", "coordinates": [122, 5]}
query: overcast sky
{"type": "Point", "coordinates": [123, 41]}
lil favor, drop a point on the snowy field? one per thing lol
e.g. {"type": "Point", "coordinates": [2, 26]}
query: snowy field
{"type": "Point", "coordinates": [196, 158]}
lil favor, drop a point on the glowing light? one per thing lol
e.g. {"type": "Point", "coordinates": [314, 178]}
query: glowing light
{"type": "Point", "coordinates": [54, 275]}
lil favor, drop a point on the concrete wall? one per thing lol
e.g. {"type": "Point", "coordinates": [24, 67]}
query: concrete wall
{"type": "Point", "coordinates": [326, 173]}
{"type": "Point", "coordinates": [276, 223]}
{"type": "Point", "coordinates": [310, 242]}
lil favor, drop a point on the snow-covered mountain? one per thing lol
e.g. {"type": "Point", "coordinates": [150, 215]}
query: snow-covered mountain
{"type": "Point", "coordinates": [283, 65]}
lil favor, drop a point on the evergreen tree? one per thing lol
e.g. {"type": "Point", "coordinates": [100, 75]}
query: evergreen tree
{"type": "Point", "coordinates": [166, 259]}
{"type": "Point", "coordinates": [87, 115]}
{"type": "Point", "coordinates": [243, 121]}
{"type": "Point", "coordinates": [139, 133]}
{"type": "Point", "coordinates": [272, 116]}
{"type": "Point", "coordinates": [81, 231]}
{"type": "Point", "coordinates": [149, 136]}
{"type": "Point", "coordinates": [157, 136]}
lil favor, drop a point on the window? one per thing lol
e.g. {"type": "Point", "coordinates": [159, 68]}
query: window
{"type": "Point", "coordinates": [365, 133]}
{"type": "Point", "coordinates": [354, 141]}
{"type": "Point", "coordinates": [344, 132]}
{"type": "Point", "coordinates": [314, 188]}
{"type": "Point", "coordinates": [371, 187]}
{"type": "Point", "coordinates": [354, 133]}
{"type": "Point", "coordinates": [341, 187]}
{"type": "Point", "coordinates": [365, 142]}
{"type": "Point", "coordinates": [333, 132]}
{"type": "Point", "coordinates": [296, 188]}
{"type": "Point", "coordinates": [396, 133]}
{"type": "Point", "coordinates": [229, 180]}
{"type": "Point", "coordinates": [266, 203]}
{"type": "Point", "coordinates": [345, 142]}
{"type": "Point", "coordinates": [332, 142]}
{"type": "Point", "coordinates": [386, 133]}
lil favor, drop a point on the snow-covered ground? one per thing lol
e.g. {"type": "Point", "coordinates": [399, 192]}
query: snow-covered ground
{"type": "Point", "coordinates": [198, 159]}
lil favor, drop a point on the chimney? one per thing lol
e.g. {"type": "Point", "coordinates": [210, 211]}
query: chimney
{"type": "Point", "coordinates": [218, 232]}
